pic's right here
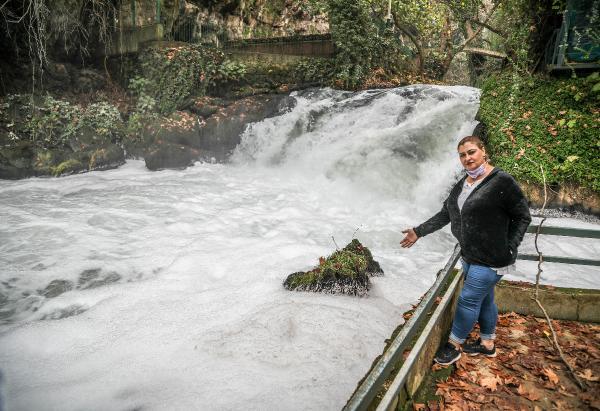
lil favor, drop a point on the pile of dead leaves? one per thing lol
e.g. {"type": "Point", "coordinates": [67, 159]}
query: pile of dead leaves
{"type": "Point", "coordinates": [527, 373]}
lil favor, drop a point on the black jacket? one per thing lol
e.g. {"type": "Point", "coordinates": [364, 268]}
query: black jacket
{"type": "Point", "coordinates": [493, 221]}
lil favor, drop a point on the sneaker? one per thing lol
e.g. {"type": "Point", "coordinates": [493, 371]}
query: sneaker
{"type": "Point", "coordinates": [477, 348]}
{"type": "Point", "coordinates": [447, 354]}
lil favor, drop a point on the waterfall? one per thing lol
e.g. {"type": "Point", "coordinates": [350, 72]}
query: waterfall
{"type": "Point", "coordinates": [128, 289]}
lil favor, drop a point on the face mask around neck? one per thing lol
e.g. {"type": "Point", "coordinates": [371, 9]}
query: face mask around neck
{"type": "Point", "coordinates": [479, 171]}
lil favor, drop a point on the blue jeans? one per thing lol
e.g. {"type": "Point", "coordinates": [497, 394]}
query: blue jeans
{"type": "Point", "coordinates": [476, 303]}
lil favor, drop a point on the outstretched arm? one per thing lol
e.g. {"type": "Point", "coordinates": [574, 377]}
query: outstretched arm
{"type": "Point", "coordinates": [433, 224]}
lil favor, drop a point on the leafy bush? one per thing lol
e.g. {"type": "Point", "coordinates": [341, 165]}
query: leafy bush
{"type": "Point", "coordinates": [550, 122]}
{"type": "Point", "coordinates": [229, 71]}
{"type": "Point", "coordinates": [353, 33]}
{"type": "Point", "coordinates": [363, 42]}
{"type": "Point", "coordinates": [54, 123]}
{"type": "Point", "coordinates": [315, 70]}
{"type": "Point", "coordinates": [170, 75]}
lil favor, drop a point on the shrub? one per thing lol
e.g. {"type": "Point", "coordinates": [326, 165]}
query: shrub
{"type": "Point", "coordinates": [551, 122]}
{"type": "Point", "coordinates": [170, 75]}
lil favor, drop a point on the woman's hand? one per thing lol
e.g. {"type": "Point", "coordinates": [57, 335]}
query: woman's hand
{"type": "Point", "coordinates": [409, 239]}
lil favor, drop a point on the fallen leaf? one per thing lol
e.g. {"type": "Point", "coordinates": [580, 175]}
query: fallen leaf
{"type": "Point", "coordinates": [511, 381]}
{"type": "Point", "coordinates": [436, 367]}
{"type": "Point", "coordinates": [587, 374]}
{"type": "Point", "coordinates": [419, 407]}
{"type": "Point", "coordinates": [490, 383]}
{"type": "Point", "coordinates": [552, 377]}
{"type": "Point", "coordinates": [435, 405]}
{"type": "Point", "coordinates": [528, 393]}
{"type": "Point", "coordinates": [561, 405]}
{"type": "Point", "coordinates": [462, 362]}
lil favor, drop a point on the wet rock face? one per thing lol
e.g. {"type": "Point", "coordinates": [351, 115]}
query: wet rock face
{"type": "Point", "coordinates": [15, 162]}
{"type": "Point", "coordinates": [56, 288]}
{"type": "Point", "coordinates": [206, 134]}
{"type": "Point", "coordinates": [222, 131]}
{"type": "Point", "coordinates": [168, 155]}
{"type": "Point", "coordinates": [346, 271]}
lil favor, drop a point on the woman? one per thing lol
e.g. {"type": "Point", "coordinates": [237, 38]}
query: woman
{"type": "Point", "coordinates": [489, 215]}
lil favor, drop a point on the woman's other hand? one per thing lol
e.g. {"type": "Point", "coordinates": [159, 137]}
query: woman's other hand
{"type": "Point", "coordinates": [409, 239]}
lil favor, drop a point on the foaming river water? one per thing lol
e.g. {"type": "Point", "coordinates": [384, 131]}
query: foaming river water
{"type": "Point", "coordinates": [129, 289]}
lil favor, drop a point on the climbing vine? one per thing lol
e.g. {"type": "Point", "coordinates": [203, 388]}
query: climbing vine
{"type": "Point", "coordinates": [556, 123]}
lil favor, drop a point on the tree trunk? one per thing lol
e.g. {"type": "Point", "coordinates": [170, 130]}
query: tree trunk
{"type": "Point", "coordinates": [414, 40]}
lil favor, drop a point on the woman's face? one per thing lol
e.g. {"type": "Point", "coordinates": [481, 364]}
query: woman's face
{"type": "Point", "coordinates": [471, 156]}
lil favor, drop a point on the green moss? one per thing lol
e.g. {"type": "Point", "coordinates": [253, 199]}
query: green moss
{"type": "Point", "coordinates": [68, 166]}
{"type": "Point", "coordinates": [543, 121]}
{"type": "Point", "coordinates": [428, 387]}
{"type": "Point", "coordinates": [345, 271]}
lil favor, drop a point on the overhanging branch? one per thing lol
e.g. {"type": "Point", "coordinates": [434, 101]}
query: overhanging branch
{"type": "Point", "coordinates": [485, 52]}
{"type": "Point", "coordinates": [487, 26]}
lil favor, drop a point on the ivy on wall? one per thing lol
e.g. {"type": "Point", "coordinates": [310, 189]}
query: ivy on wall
{"type": "Point", "coordinates": [554, 123]}
{"type": "Point", "coordinates": [362, 42]}
{"type": "Point", "coordinates": [169, 75]}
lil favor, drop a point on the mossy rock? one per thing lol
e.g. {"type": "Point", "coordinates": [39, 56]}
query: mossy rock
{"type": "Point", "coordinates": [107, 157]}
{"type": "Point", "coordinates": [45, 160]}
{"type": "Point", "coordinates": [15, 162]}
{"type": "Point", "coordinates": [70, 166]}
{"type": "Point", "coordinates": [346, 271]}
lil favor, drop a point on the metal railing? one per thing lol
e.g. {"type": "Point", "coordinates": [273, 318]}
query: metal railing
{"type": "Point", "coordinates": [566, 232]}
{"type": "Point", "coordinates": [368, 389]}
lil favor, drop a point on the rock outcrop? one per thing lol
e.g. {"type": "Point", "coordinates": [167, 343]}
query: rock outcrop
{"type": "Point", "coordinates": [184, 137]}
{"type": "Point", "coordinates": [346, 271]}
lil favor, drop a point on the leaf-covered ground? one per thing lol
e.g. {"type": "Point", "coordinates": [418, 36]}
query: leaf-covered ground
{"type": "Point", "coordinates": [527, 373]}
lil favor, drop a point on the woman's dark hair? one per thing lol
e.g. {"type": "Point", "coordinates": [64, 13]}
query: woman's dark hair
{"type": "Point", "coordinates": [471, 139]}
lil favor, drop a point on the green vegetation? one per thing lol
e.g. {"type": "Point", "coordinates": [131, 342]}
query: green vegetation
{"type": "Point", "coordinates": [68, 166]}
{"type": "Point", "coordinates": [169, 75]}
{"type": "Point", "coordinates": [54, 123]}
{"type": "Point", "coordinates": [536, 121]}
{"type": "Point", "coordinates": [344, 271]}
{"type": "Point", "coordinates": [362, 42]}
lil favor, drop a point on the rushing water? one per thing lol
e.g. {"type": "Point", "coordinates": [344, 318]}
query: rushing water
{"type": "Point", "coordinates": [130, 289]}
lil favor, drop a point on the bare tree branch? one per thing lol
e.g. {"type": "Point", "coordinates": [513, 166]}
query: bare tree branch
{"type": "Point", "coordinates": [476, 33]}
{"type": "Point", "coordinates": [487, 26]}
{"type": "Point", "coordinates": [538, 276]}
{"type": "Point", "coordinates": [414, 39]}
{"type": "Point", "coordinates": [485, 52]}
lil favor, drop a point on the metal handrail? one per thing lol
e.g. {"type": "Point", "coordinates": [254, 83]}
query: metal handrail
{"type": "Point", "coordinates": [368, 389]}
{"type": "Point", "coordinates": [567, 232]}
{"type": "Point", "coordinates": [411, 361]}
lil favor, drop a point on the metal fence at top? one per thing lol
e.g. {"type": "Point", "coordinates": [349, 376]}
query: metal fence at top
{"type": "Point", "coordinates": [190, 31]}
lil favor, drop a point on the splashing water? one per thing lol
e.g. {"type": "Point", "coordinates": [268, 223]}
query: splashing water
{"type": "Point", "coordinates": [129, 289]}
